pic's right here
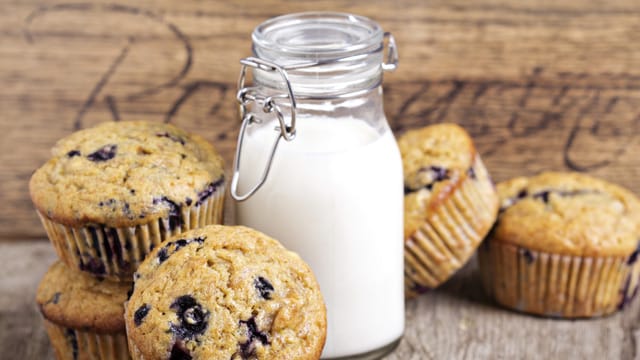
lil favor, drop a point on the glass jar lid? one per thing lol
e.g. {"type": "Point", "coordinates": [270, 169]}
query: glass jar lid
{"type": "Point", "coordinates": [324, 53]}
{"type": "Point", "coordinates": [315, 36]}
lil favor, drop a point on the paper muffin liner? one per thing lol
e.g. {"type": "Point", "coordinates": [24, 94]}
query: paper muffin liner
{"type": "Point", "coordinates": [72, 344]}
{"type": "Point", "coordinates": [116, 252]}
{"type": "Point", "coordinates": [451, 233]}
{"type": "Point", "coordinates": [557, 285]}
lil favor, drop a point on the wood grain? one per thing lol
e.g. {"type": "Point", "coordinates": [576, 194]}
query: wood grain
{"type": "Point", "coordinates": [539, 84]}
{"type": "Point", "coordinates": [454, 322]}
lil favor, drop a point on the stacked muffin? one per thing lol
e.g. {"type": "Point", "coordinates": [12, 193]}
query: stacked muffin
{"type": "Point", "coordinates": [106, 198]}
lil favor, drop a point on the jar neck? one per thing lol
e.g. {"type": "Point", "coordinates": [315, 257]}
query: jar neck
{"type": "Point", "coordinates": [345, 78]}
{"type": "Point", "coordinates": [323, 54]}
{"type": "Point", "coordinates": [366, 106]}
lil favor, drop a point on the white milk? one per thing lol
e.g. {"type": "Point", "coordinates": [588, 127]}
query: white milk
{"type": "Point", "coordinates": [334, 195]}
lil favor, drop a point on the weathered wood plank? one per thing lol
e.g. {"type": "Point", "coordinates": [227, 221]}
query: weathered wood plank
{"type": "Point", "coordinates": [454, 322]}
{"type": "Point", "coordinates": [22, 334]}
{"type": "Point", "coordinates": [540, 85]}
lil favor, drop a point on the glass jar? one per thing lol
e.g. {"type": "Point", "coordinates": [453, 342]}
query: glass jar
{"type": "Point", "coordinates": [318, 168]}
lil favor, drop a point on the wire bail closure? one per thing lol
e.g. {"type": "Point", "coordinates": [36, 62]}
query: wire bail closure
{"type": "Point", "coordinates": [246, 95]}
{"type": "Point", "coordinates": [269, 105]}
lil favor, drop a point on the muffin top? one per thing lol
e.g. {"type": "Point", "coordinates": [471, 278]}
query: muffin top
{"type": "Point", "coordinates": [569, 214]}
{"type": "Point", "coordinates": [75, 300]}
{"type": "Point", "coordinates": [224, 292]}
{"type": "Point", "coordinates": [435, 160]}
{"type": "Point", "coordinates": [124, 174]}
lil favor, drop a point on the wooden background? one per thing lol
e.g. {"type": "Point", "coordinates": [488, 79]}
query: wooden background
{"type": "Point", "coordinates": [539, 84]}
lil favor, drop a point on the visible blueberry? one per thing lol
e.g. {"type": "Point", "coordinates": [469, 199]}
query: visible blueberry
{"type": "Point", "coordinates": [193, 318]}
{"type": "Point", "coordinates": [163, 255]}
{"type": "Point", "coordinates": [180, 243]}
{"type": "Point", "coordinates": [183, 156]}
{"type": "Point", "coordinates": [54, 299]}
{"type": "Point", "coordinates": [105, 153]}
{"type": "Point", "coordinates": [523, 194]}
{"type": "Point", "coordinates": [264, 287]}
{"type": "Point", "coordinates": [179, 352]}
{"type": "Point", "coordinates": [544, 195]}
{"type": "Point", "coordinates": [439, 173]}
{"type": "Point", "coordinates": [94, 266]}
{"type": "Point", "coordinates": [175, 218]}
{"type": "Point", "coordinates": [248, 348]}
{"type": "Point", "coordinates": [172, 137]}
{"type": "Point", "coordinates": [166, 251]}
{"type": "Point", "coordinates": [188, 201]}
{"type": "Point", "coordinates": [471, 173]}
{"type": "Point", "coordinates": [140, 314]}
{"type": "Point", "coordinates": [409, 190]}
{"type": "Point", "coordinates": [528, 256]}
{"type": "Point", "coordinates": [70, 334]}
{"type": "Point", "coordinates": [132, 191]}
{"type": "Point", "coordinates": [101, 204]}
{"type": "Point", "coordinates": [73, 153]}
{"type": "Point", "coordinates": [208, 191]}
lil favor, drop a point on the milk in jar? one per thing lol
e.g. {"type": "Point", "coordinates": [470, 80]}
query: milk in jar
{"type": "Point", "coordinates": [334, 191]}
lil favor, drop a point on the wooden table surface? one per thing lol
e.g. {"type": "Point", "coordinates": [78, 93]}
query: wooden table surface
{"type": "Point", "coordinates": [539, 84]}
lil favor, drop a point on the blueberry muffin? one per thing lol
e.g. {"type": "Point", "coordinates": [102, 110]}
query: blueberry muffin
{"type": "Point", "coordinates": [565, 245]}
{"type": "Point", "coordinates": [450, 203]}
{"type": "Point", "coordinates": [109, 194]}
{"type": "Point", "coordinates": [225, 292]}
{"type": "Point", "coordinates": [83, 314]}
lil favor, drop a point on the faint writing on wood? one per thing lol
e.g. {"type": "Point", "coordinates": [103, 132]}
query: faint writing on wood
{"type": "Point", "coordinates": [595, 124]}
{"type": "Point", "coordinates": [168, 82]}
{"type": "Point", "coordinates": [594, 121]}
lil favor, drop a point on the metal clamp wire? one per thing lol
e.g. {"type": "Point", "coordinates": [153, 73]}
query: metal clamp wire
{"type": "Point", "coordinates": [269, 104]}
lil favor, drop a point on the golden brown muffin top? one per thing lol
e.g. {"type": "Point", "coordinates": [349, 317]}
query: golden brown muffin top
{"type": "Point", "coordinates": [224, 292]}
{"type": "Point", "coordinates": [568, 213]}
{"type": "Point", "coordinates": [75, 300]}
{"type": "Point", "coordinates": [124, 174]}
{"type": "Point", "coordinates": [435, 159]}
